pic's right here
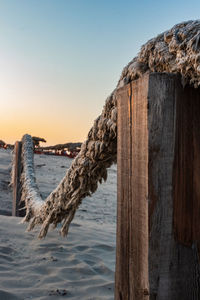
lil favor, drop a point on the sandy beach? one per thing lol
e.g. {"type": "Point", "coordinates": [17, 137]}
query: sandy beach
{"type": "Point", "coordinates": [80, 266]}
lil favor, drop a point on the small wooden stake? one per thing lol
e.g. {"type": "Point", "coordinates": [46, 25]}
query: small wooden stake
{"type": "Point", "coordinates": [16, 184]}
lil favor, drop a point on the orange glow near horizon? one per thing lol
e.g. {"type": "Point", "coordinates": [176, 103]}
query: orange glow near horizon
{"type": "Point", "coordinates": [38, 105]}
{"type": "Point", "coordinates": [54, 131]}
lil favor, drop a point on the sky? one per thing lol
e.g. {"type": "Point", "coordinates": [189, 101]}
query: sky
{"type": "Point", "coordinates": [60, 59]}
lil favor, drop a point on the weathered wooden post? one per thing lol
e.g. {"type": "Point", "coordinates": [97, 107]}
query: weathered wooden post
{"type": "Point", "coordinates": [158, 230]}
{"type": "Point", "coordinates": [16, 184]}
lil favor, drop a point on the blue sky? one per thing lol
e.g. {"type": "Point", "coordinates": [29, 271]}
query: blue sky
{"type": "Point", "coordinates": [59, 60]}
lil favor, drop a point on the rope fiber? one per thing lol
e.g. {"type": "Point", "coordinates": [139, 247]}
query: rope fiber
{"type": "Point", "coordinates": [174, 51]}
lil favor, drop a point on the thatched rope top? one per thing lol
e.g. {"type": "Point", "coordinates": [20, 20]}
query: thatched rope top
{"type": "Point", "coordinates": [174, 51]}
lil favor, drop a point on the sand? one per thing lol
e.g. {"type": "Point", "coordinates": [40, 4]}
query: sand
{"type": "Point", "coordinates": [80, 266]}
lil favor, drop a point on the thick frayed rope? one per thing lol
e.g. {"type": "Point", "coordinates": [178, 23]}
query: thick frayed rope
{"type": "Point", "coordinates": [174, 51]}
{"type": "Point", "coordinates": [97, 154]}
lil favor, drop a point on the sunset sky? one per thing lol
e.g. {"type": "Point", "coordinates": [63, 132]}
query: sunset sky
{"type": "Point", "coordinates": [60, 59]}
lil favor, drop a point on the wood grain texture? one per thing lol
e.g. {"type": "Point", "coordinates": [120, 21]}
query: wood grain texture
{"type": "Point", "coordinates": [161, 123]}
{"type": "Point", "coordinates": [156, 117]}
{"type": "Point", "coordinates": [187, 168]}
{"type": "Point", "coordinates": [173, 267]}
{"type": "Point", "coordinates": [132, 215]}
{"type": "Point", "coordinates": [16, 205]}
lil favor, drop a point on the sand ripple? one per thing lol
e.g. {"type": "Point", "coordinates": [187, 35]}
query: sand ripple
{"type": "Point", "coordinates": [79, 267]}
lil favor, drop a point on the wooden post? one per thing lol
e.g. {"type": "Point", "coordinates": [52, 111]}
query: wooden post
{"type": "Point", "coordinates": [158, 180]}
{"type": "Point", "coordinates": [16, 184]}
